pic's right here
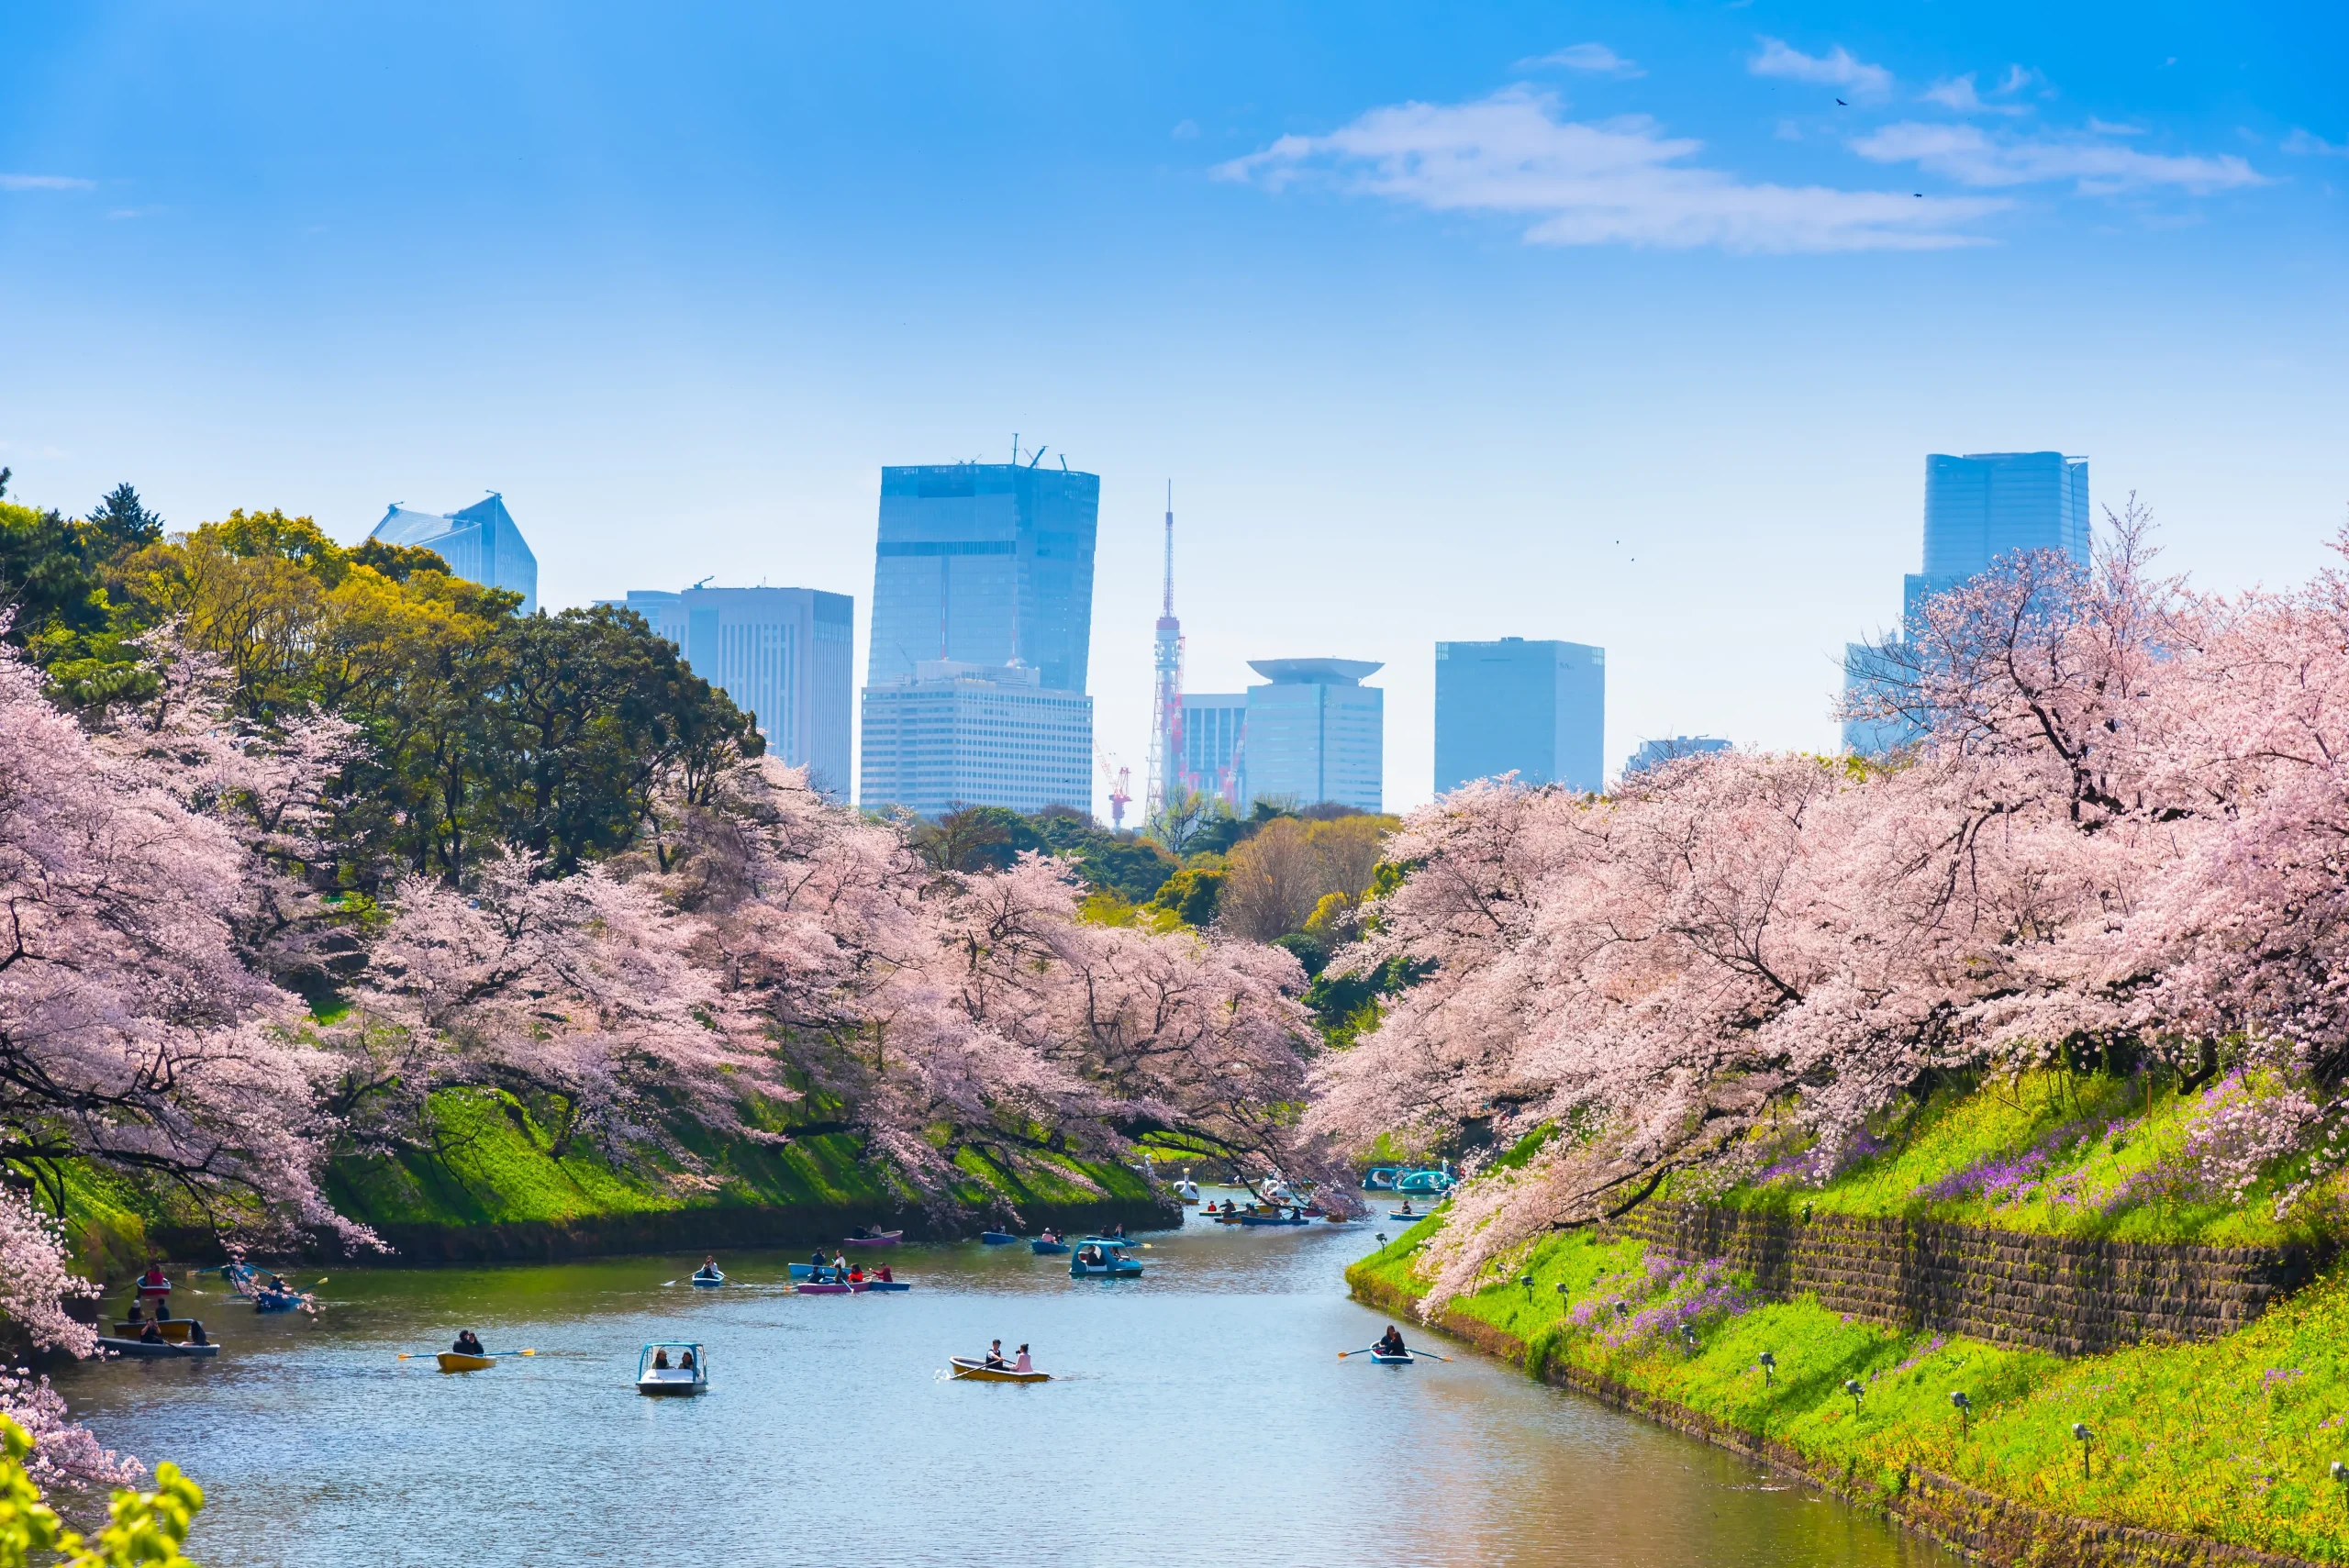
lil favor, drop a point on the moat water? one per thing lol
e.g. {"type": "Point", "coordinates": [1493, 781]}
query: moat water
{"type": "Point", "coordinates": [1200, 1416]}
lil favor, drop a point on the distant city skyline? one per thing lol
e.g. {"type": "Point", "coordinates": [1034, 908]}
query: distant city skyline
{"type": "Point", "coordinates": [480, 543]}
{"type": "Point", "coordinates": [680, 293]}
{"type": "Point", "coordinates": [1532, 707]}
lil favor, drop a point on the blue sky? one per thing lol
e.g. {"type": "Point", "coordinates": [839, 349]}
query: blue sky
{"type": "Point", "coordinates": [1601, 322]}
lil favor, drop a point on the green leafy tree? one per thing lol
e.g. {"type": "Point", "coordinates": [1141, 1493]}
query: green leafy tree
{"type": "Point", "coordinates": [144, 1529]}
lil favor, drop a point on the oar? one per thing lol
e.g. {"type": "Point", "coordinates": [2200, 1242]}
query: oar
{"type": "Point", "coordinates": [1431, 1355]}
{"type": "Point", "coordinates": [412, 1355]}
{"type": "Point", "coordinates": [1364, 1351]}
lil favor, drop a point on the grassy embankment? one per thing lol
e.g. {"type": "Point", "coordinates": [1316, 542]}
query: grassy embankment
{"type": "Point", "coordinates": [2231, 1439]}
{"type": "Point", "coordinates": [492, 1164]}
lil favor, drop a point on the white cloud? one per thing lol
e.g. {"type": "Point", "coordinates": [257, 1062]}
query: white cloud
{"type": "Point", "coordinates": [1969, 155]}
{"type": "Point", "coordinates": [1618, 181]}
{"type": "Point", "coordinates": [1836, 69]}
{"type": "Point", "coordinates": [45, 182]}
{"type": "Point", "coordinates": [2106, 128]}
{"type": "Point", "coordinates": [1184, 130]}
{"type": "Point", "coordinates": [2307, 145]}
{"type": "Point", "coordinates": [1958, 94]}
{"type": "Point", "coordinates": [1586, 57]}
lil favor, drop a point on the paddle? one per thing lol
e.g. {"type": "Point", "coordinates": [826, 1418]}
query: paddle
{"type": "Point", "coordinates": [411, 1355]}
{"type": "Point", "coordinates": [1364, 1351]}
{"type": "Point", "coordinates": [1431, 1355]}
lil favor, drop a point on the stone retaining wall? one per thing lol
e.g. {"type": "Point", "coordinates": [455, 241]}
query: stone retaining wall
{"type": "Point", "coordinates": [2072, 1295]}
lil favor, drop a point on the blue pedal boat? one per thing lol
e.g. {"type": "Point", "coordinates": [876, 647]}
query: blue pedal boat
{"type": "Point", "coordinates": [1097, 1259]}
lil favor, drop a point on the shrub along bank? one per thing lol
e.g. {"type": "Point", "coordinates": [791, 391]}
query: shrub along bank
{"type": "Point", "coordinates": [2225, 1439]}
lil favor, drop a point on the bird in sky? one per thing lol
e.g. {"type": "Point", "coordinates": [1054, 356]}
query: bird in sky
{"type": "Point", "coordinates": [1842, 104]}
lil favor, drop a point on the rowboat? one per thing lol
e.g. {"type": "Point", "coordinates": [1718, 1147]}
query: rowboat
{"type": "Point", "coordinates": [998, 1237]}
{"type": "Point", "coordinates": [979, 1372]}
{"type": "Point", "coordinates": [154, 1353]}
{"type": "Point", "coordinates": [1385, 1360]}
{"type": "Point", "coordinates": [823, 1288]}
{"type": "Point", "coordinates": [173, 1328]}
{"type": "Point", "coordinates": [886, 1239]}
{"type": "Point", "coordinates": [710, 1280]}
{"type": "Point", "coordinates": [276, 1300]}
{"type": "Point", "coordinates": [150, 1290]}
{"type": "Point", "coordinates": [1041, 1246]}
{"type": "Point", "coordinates": [1268, 1219]}
{"type": "Point", "coordinates": [888, 1284]}
{"type": "Point", "coordinates": [1408, 1214]}
{"type": "Point", "coordinates": [455, 1361]}
{"type": "Point", "coordinates": [1097, 1259]}
{"type": "Point", "coordinates": [687, 1371]}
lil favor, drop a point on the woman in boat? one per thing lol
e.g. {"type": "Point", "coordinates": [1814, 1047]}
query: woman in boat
{"type": "Point", "coordinates": [1392, 1345]}
{"type": "Point", "coordinates": [685, 1361]}
{"type": "Point", "coordinates": [816, 1259]}
{"type": "Point", "coordinates": [1023, 1363]}
{"type": "Point", "coordinates": [661, 1360]}
{"type": "Point", "coordinates": [136, 1313]}
{"type": "Point", "coordinates": [994, 1357]}
{"type": "Point", "coordinates": [1050, 1238]}
{"type": "Point", "coordinates": [152, 1336]}
{"type": "Point", "coordinates": [884, 1275]}
{"type": "Point", "coordinates": [468, 1344]}
{"type": "Point", "coordinates": [153, 1278]}
{"type": "Point", "coordinates": [856, 1274]}
{"type": "Point", "coordinates": [196, 1334]}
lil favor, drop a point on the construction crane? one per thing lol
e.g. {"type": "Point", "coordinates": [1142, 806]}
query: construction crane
{"type": "Point", "coordinates": [1116, 774]}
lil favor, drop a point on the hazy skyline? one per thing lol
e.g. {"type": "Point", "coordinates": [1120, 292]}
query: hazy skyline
{"type": "Point", "coordinates": [1604, 324]}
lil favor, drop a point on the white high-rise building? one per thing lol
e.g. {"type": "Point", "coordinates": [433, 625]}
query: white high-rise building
{"type": "Point", "coordinates": [1315, 733]}
{"type": "Point", "coordinates": [785, 655]}
{"type": "Point", "coordinates": [958, 735]}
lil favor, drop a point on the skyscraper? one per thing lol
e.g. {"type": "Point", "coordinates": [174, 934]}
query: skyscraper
{"type": "Point", "coordinates": [1538, 709]}
{"type": "Point", "coordinates": [480, 544]}
{"type": "Point", "coordinates": [1315, 733]}
{"type": "Point", "coordinates": [981, 624]}
{"type": "Point", "coordinates": [1214, 756]}
{"type": "Point", "coordinates": [960, 735]}
{"type": "Point", "coordinates": [985, 563]}
{"type": "Point", "coordinates": [786, 655]}
{"type": "Point", "coordinates": [1978, 508]}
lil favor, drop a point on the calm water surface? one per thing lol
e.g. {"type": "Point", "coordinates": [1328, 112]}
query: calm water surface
{"type": "Point", "coordinates": [1201, 1417]}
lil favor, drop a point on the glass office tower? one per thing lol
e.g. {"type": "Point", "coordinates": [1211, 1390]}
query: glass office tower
{"type": "Point", "coordinates": [1655, 753]}
{"type": "Point", "coordinates": [1978, 508]}
{"type": "Point", "coordinates": [480, 544]}
{"type": "Point", "coordinates": [986, 564]}
{"type": "Point", "coordinates": [960, 735]}
{"type": "Point", "coordinates": [1537, 710]}
{"type": "Point", "coordinates": [785, 655]}
{"type": "Point", "coordinates": [1214, 756]}
{"type": "Point", "coordinates": [1315, 733]}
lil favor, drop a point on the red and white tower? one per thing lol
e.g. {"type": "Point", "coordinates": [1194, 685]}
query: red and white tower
{"type": "Point", "coordinates": [1167, 706]}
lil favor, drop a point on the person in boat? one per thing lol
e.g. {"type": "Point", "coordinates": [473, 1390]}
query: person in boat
{"type": "Point", "coordinates": [1023, 1363]}
{"type": "Point", "coordinates": [994, 1357]}
{"type": "Point", "coordinates": [816, 1259]}
{"type": "Point", "coordinates": [685, 1361]}
{"type": "Point", "coordinates": [468, 1344]}
{"type": "Point", "coordinates": [1049, 1238]}
{"type": "Point", "coordinates": [1118, 1231]}
{"type": "Point", "coordinates": [1392, 1344]}
{"type": "Point", "coordinates": [856, 1274]}
{"type": "Point", "coordinates": [1404, 1212]}
{"type": "Point", "coordinates": [152, 1336]}
{"type": "Point", "coordinates": [162, 1310]}
{"type": "Point", "coordinates": [884, 1275]}
{"type": "Point", "coordinates": [137, 1314]}
{"type": "Point", "coordinates": [1088, 1255]}
{"type": "Point", "coordinates": [840, 1266]}
{"type": "Point", "coordinates": [661, 1360]}
{"type": "Point", "coordinates": [196, 1334]}
{"type": "Point", "coordinates": [153, 1278]}
{"type": "Point", "coordinates": [709, 1269]}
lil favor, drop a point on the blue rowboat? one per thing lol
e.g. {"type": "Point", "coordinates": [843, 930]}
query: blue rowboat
{"type": "Point", "coordinates": [1403, 1360]}
{"type": "Point", "coordinates": [711, 1280]}
{"type": "Point", "coordinates": [998, 1237]}
{"type": "Point", "coordinates": [1041, 1247]}
{"type": "Point", "coordinates": [886, 1284]}
{"type": "Point", "coordinates": [276, 1301]}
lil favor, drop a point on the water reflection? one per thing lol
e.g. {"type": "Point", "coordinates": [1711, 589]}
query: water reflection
{"type": "Point", "coordinates": [1201, 1417]}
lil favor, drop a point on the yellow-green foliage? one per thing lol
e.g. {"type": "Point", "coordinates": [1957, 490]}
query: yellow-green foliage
{"type": "Point", "coordinates": [145, 1529]}
{"type": "Point", "coordinates": [2231, 1438]}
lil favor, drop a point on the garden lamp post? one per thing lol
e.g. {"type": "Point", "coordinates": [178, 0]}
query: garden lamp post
{"type": "Point", "coordinates": [1688, 1337]}
{"type": "Point", "coordinates": [1965, 1408]}
{"type": "Point", "coordinates": [2080, 1431]}
{"type": "Point", "coordinates": [1382, 1238]}
{"type": "Point", "coordinates": [1851, 1386]}
{"type": "Point", "coordinates": [1561, 1301]}
{"type": "Point", "coordinates": [1769, 1368]}
{"type": "Point", "coordinates": [2340, 1479]}
{"type": "Point", "coordinates": [1526, 1281]}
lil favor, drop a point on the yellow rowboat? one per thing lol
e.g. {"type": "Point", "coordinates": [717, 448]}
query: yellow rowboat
{"type": "Point", "coordinates": [979, 1372]}
{"type": "Point", "coordinates": [451, 1361]}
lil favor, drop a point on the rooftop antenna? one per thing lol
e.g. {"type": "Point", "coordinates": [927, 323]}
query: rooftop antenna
{"type": "Point", "coordinates": [703, 583]}
{"type": "Point", "coordinates": [1015, 448]}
